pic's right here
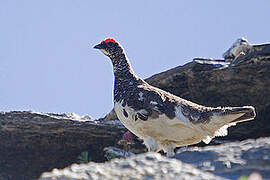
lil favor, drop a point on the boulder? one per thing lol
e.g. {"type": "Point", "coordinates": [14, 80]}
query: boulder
{"type": "Point", "coordinates": [150, 166]}
{"type": "Point", "coordinates": [32, 142]}
{"type": "Point", "coordinates": [231, 160]}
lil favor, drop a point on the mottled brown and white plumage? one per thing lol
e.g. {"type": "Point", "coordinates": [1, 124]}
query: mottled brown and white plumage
{"type": "Point", "coordinates": [162, 120]}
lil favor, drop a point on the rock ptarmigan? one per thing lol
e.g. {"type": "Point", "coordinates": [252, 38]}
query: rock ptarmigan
{"type": "Point", "coordinates": [162, 120]}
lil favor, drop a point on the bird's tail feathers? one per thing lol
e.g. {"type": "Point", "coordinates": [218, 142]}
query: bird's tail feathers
{"type": "Point", "coordinates": [237, 114]}
{"type": "Point", "coordinates": [229, 116]}
{"type": "Point", "coordinates": [225, 117]}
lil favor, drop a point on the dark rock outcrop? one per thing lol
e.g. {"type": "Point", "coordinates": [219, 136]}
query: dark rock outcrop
{"type": "Point", "coordinates": [31, 143]}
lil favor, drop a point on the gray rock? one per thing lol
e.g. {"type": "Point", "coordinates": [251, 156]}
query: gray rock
{"type": "Point", "coordinates": [32, 142]}
{"type": "Point", "coordinates": [148, 166]}
{"type": "Point", "coordinates": [231, 160]}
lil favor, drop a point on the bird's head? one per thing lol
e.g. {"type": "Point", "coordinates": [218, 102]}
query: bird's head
{"type": "Point", "coordinates": [109, 47]}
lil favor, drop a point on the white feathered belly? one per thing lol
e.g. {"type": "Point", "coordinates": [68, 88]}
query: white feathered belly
{"type": "Point", "coordinates": [163, 129]}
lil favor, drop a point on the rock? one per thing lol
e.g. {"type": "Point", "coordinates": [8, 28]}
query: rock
{"type": "Point", "coordinates": [240, 47]}
{"type": "Point", "coordinates": [228, 161]}
{"type": "Point", "coordinates": [31, 142]}
{"type": "Point", "coordinates": [150, 166]}
{"type": "Point", "coordinates": [247, 82]}
{"type": "Point", "coordinates": [231, 160]}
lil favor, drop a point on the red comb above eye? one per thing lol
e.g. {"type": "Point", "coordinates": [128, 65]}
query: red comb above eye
{"type": "Point", "coordinates": [109, 40]}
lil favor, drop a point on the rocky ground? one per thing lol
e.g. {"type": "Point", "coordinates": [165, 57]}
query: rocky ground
{"type": "Point", "coordinates": [32, 143]}
{"type": "Point", "coordinates": [226, 161]}
{"type": "Point", "coordinates": [141, 167]}
{"type": "Point", "coordinates": [231, 160]}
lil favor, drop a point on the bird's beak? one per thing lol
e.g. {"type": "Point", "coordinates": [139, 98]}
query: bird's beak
{"type": "Point", "coordinates": [102, 48]}
{"type": "Point", "coordinates": [98, 46]}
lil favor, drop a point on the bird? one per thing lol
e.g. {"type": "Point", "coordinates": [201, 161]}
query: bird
{"type": "Point", "coordinates": [239, 48]}
{"type": "Point", "coordinates": [162, 120]}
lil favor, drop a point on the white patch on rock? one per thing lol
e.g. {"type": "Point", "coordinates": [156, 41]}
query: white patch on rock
{"type": "Point", "coordinates": [240, 46]}
{"type": "Point", "coordinates": [68, 116]}
{"type": "Point", "coordinates": [118, 152]}
{"type": "Point", "coordinates": [114, 122]}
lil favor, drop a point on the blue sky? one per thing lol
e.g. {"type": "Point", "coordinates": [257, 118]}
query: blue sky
{"type": "Point", "coordinates": [47, 62]}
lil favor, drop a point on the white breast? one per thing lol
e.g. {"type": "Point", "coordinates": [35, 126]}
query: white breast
{"type": "Point", "coordinates": [129, 122]}
{"type": "Point", "coordinates": [162, 129]}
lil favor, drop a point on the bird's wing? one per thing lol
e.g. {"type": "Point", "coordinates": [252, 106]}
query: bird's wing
{"type": "Point", "coordinates": [183, 110]}
{"type": "Point", "coordinates": [148, 110]}
{"type": "Point", "coordinates": [194, 113]}
{"type": "Point", "coordinates": [143, 114]}
{"type": "Point", "coordinates": [151, 102]}
{"type": "Point", "coordinates": [178, 112]}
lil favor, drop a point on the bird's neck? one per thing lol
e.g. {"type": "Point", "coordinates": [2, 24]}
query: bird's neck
{"type": "Point", "coordinates": [125, 78]}
{"type": "Point", "coordinates": [122, 68]}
